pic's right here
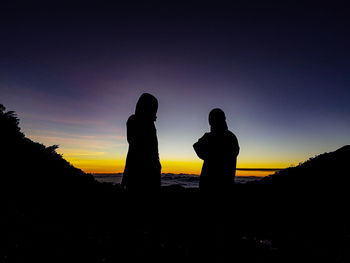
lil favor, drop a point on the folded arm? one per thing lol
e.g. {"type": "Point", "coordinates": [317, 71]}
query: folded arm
{"type": "Point", "coordinates": [201, 147]}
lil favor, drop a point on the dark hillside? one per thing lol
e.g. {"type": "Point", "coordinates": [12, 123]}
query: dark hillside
{"type": "Point", "coordinates": [38, 180]}
{"type": "Point", "coordinates": [29, 165]}
{"type": "Point", "coordinates": [304, 208]}
{"type": "Point", "coordinates": [325, 171]}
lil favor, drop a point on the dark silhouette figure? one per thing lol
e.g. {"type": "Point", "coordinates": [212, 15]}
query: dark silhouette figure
{"type": "Point", "coordinates": [219, 149]}
{"type": "Point", "coordinates": [142, 168]}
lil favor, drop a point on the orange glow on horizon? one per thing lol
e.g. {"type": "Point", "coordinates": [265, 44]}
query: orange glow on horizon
{"type": "Point", "coordinates": [106, 154]}
{"type": "Point", "coordinates": [168, 166]}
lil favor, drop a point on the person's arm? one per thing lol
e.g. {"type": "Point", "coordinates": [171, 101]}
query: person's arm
{"type": "Point", "coordinates": [201, 146]}
{"type": "Point", "coordinates": [130, 130]}
{"type": "Point", "coordinates": [235, 146]}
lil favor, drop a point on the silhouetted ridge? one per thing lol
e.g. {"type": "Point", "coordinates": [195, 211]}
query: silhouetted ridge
{"type": "Point", "coordinates": [31, 166]}
{"type": "Point", "coordinates": [344, 150]}
{"type": "Point", "coordinates": [322, 171]}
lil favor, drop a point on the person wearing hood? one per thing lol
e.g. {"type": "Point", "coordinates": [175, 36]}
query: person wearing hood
{"type": "Point", "coordinates": [142, 171]}
{"type": "Point", "coordinates": [219, 149]}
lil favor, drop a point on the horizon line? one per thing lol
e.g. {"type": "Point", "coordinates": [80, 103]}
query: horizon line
{"type": "Point", "coordinates": [238, 169]}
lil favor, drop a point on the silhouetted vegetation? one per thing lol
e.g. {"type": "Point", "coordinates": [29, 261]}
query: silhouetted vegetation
{"type": "Point", "coordinates": [320, 172]}
{"type": "Point", "coordinates": [27, 164]}
{"type": "Point", "coordinates": [54, 212]}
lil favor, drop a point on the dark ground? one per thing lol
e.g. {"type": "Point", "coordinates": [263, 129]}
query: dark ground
{"type": "Point", "coordinates": [178, 225]}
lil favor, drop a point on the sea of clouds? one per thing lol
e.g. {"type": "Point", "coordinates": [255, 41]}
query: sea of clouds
{"type": "Point", "coordinates": [184, 180]}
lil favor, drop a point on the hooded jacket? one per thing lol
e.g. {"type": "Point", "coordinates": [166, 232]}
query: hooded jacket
{"type": "Point", "coordinates": [142, 168]}
{"type": "Point", "coordinates": [219, 150]}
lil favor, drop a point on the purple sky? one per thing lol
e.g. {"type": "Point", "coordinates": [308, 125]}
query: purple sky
{"type": "Point", "coordinates": [280, 72]}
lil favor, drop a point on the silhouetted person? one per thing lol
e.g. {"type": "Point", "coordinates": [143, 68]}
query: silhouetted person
{"type": "Point", "coordinates": [219, 149]}
{"type": "Point", "coordinates": [142, 168]}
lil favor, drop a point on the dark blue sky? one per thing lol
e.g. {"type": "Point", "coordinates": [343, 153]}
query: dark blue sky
{"type": "Point", "coordinates": [280, 71]}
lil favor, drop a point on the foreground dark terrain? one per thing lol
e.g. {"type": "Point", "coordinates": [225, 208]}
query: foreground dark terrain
{"type": "Point", "coordinates": [54, 212]}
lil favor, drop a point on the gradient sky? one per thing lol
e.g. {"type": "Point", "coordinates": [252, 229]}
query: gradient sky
{"type": "Point", "coordinates": [281, 73]}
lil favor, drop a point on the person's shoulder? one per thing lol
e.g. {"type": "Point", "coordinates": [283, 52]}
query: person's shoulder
{"type": "Point", "coordinates": [131, 119]}
{"type": "Point", "coordinates": [231, 135]}
{"type": "Point", "coordinates": [204, 138]}
{"type": "Point", "coordinates": [206, 135]}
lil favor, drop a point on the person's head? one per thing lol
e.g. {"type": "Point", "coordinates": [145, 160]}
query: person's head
{"type": "Point", "coordinates": [217, 120]}
{"type": "Point", "coordinates": [147, 107]}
